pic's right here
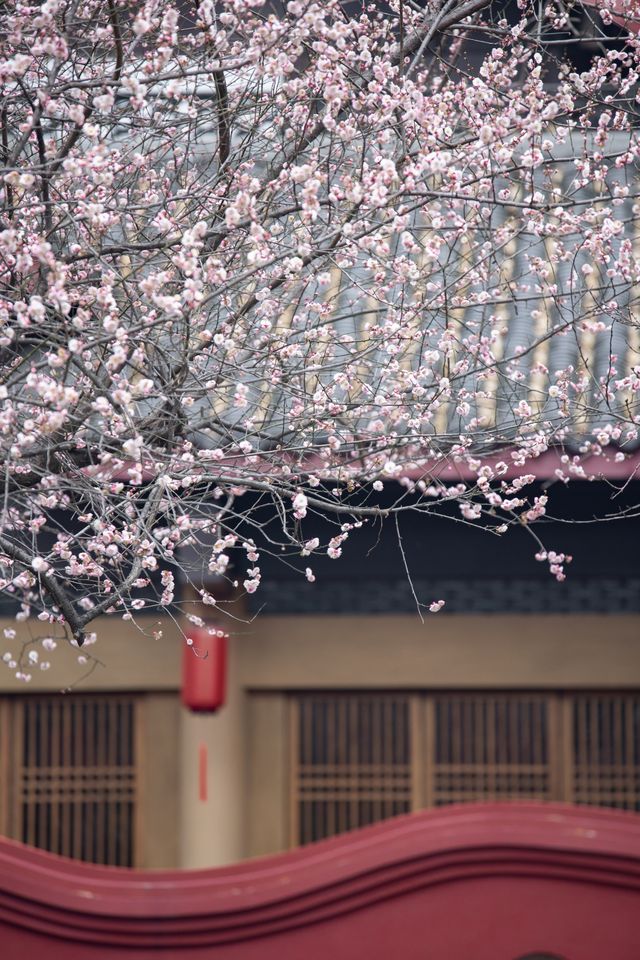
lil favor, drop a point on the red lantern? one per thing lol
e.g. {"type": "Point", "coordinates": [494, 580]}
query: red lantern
{"type": "Point", "coordinates": [204, 670]}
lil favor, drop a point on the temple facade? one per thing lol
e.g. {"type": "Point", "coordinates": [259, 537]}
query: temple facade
{"type": "Point", "coordinates": [344, 703]}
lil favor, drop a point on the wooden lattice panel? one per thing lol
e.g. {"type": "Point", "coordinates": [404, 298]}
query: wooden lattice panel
{"type": "Point", "coordinates": [488, 747]}
{"type": "Point", "coordinates": [351, 756]}
{"type": "Point", "coordinates": [358, 758]}
{"type": "Point", "coordinates": [606, 750]}
{"type": "Point", "coordinates": [73, 786]}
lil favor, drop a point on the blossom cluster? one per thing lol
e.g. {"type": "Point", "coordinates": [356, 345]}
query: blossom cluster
{"type": "Point", "coordinates": [300, 259]}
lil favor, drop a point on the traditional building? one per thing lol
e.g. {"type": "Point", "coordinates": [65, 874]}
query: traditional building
{"type": "Point", "coordinates": [342, 706]}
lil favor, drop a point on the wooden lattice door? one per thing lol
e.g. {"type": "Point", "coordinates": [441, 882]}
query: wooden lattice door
{"type": "Point", "coordinates": [500, 746]}
{"type": "Point", "coordinates": [353, 762]}
{"type": "Point", "coordinates": [70, 775]}
{"type": "Point", "coordinates": [361, 757]}
{"type": "Point", "coordinates": [605, 750]}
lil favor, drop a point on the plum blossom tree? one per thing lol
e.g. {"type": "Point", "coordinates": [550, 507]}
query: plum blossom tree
{"type": "Point", "coordinates": [270, 259]}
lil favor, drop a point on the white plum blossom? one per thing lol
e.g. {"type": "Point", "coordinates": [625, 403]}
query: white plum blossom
{"type": "Point", "coordinates": [132, 447]}
{"type": "Point", "coordinates": [300, 504]}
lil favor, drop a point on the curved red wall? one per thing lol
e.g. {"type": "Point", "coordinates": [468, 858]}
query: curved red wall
{"type": "Point", "coordinates": [490, 882]}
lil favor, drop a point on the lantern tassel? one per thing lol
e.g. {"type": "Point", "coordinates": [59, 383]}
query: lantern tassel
{"type": "Point", "coordinates": [202, 772]}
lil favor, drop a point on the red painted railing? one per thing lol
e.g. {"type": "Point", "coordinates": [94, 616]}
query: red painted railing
{"type": "Point", "coordinates": [490, 882]}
